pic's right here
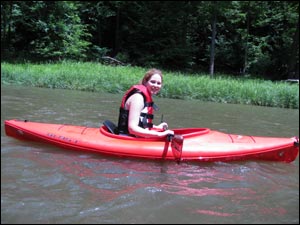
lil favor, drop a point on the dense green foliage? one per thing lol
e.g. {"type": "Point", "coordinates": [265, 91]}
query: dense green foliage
{"type": "Point", "coordinates": [117, 79]}
{"type": "Point", "coordinates": [256, 38]}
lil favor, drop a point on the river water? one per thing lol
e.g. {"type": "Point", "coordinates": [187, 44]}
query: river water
{"type": "Point", "coordinates": [45, 184]}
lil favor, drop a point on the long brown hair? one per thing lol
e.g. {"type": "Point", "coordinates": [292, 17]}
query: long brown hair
{"type": "Point", "coordinates": [149, 74]}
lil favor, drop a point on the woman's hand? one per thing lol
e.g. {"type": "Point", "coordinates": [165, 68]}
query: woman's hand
{"type": "Point", "coordinates": [165, 133]}
{"type": "Point", "coordinates": [163, 126]}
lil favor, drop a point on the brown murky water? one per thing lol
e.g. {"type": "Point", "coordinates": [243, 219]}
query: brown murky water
{"type": "Point", "coordinates": [45, 184]}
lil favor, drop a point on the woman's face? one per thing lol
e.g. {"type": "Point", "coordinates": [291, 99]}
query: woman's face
{"type": "Point", "coordinates": [154, 84]}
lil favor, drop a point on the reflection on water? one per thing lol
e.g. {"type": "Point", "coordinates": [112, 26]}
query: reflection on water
{"type": "Point", "coordinates": [45, 184]}
{"type": "Point", "coordinates": [89, 183]}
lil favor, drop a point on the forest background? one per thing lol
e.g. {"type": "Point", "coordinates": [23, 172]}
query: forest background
{"type": "Point", "coordinates": [241, 38]}
{"type": "Point", "coordinates": [230, 52]}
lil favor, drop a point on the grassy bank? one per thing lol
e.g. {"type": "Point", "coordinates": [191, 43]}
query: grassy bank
{"type": "Point", "coordinates": [117, 79]}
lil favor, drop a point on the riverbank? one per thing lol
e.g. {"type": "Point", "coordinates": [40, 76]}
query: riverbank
{"type": "Point", "coordinates": [96, 77]}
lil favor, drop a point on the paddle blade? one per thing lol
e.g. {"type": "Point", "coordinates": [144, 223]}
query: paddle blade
{"type": "Point", "coordinates": [176, 145]}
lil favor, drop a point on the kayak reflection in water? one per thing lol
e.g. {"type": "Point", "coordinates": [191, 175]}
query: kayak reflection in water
{"type": "Point", "coordinates": [137, 107]}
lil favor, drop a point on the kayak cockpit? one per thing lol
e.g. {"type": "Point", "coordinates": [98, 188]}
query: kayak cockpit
{"type": "Point", "coordinates": [191, 132]}
{"type": "Point", "coordinates": [109, 129]}
{"type": "Point", "coordinates": [105, 131]}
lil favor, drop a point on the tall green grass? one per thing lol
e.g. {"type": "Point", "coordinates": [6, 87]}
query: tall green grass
{"type": "Point", "coordinates": [97, 77]}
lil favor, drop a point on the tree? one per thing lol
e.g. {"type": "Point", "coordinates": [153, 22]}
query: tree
{"type": "Point", "coordinates": [257, 38]}
{"type": "Point", "coordinates": [47, 30]}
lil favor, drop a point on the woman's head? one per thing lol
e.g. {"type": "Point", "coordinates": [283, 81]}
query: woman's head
{"type": "Point", "coordinates": [153, 80]}
{"type": "Point", "coordinates": [149, 74]}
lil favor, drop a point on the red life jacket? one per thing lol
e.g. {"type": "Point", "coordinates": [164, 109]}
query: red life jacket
{"type": "Point", "coordinates": [145, 117]}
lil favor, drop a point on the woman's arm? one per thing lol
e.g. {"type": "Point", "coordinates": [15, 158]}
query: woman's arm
{"type": "Point", "coordinates": [135, 105]}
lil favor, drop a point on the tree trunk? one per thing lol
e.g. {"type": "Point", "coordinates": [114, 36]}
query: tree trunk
{"type": "Point", "coordinates": [293, 66]}
{"type": "Point", "coordinates": [117, 33]}
{"type": "Point", "coordinates": [246, 41]}
{"type": "Point", "coordinates": [213, 41]}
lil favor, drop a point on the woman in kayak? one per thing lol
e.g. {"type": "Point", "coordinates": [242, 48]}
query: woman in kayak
{"type": "Point", "coordinates": [136, 110]}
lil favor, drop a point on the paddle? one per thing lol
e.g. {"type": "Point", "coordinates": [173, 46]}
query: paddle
{"type": "Point", "coordinates": [176, 145]}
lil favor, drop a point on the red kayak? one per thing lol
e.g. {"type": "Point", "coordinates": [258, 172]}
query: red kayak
{"type": "Point", "coordinates": [188, 144]}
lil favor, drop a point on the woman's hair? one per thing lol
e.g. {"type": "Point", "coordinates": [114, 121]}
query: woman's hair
{"type": "Point", "coordinates": [149, 74]}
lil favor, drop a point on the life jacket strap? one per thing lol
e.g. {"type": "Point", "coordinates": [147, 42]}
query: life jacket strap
{"type": "Point", "coordinates": [147, 116]}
